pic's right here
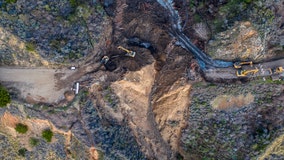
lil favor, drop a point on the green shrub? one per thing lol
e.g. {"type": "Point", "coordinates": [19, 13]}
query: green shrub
{"type": "Point", "coordinates": [33, 141]}
{"type": "Point", "coordinates": [73, 3]}
{"type": "Point", "coordinates": [4, 97]}
{"type": "Point", "coordinates": [47, 135]}
{"type": "Point", "coordinates": [10, 1]}
{"type": "Point", "coordinates": [30, 47]}
{"type": "Point", "coordinates": [22, 152]}
{"type": "Point", "coordinates": [21, 128]}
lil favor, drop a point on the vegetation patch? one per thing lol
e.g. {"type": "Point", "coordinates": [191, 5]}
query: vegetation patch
{"type": "Point", "coordinates": [10, 1]}
{"type": "Point", "coordinates": [4, 97]}
{"type": "Point", "coordinates": [21, 128]}
{"type": "Point", "coordinates": [101, 155]}
{"type": "Point", "coordinates": [73, 3]}
{"type": "Point", "coordinates": [47, 135]}
{"type": "Point", "coordinates": [30, 47]}
{"type": "Point", "coordinates": [22, 152]}
{"type": "Point", "coordinates": [33, 141]}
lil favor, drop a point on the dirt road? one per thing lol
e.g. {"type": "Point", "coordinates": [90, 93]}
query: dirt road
{"type": "Point", "coordinates": [37, 85]}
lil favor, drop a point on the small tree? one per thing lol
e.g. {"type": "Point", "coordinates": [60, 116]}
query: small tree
{"type": "Point", "coordinates": [33, 141]}
{"type": "Point", "coordinates": [4, 97]}
{"type": "Point", "coordinates": [47, 135]}
{"type": "Point", "coordinates": [22, 152]}
{"type": "Point", "coordinates": [21, 128]}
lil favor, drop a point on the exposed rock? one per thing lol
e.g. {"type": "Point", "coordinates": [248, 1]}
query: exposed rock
{"type": "Point", "coordinates": [241, 42]}
{"type": "Point", "coordinates": [202, 31]}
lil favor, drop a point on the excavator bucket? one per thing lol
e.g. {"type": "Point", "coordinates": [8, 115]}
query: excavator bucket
{"type": "Point", "coordinates": [131, 54]}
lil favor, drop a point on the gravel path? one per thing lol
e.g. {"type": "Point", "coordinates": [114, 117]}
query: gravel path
{"type": "Point", "coordinates": [35, 84]}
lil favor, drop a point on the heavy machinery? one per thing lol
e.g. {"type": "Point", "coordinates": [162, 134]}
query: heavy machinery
{"type": "Point", "coordinates": [243, 73]}
{"type": "Point", "coordinates": [128, 52]}
{"type": "Point", "coordinates": [109, 62]}
{"type": "Point", "coordinates": [239, 64]}
{"type": "Point", "coordinates": [278, 70]}
{"type": "Point", "coordinates": [105, 59]}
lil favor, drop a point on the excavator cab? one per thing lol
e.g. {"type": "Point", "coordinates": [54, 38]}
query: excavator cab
{"type": "Point", "coordinates": [278, 70]}
{"type": "Point", "coordinates": [104, 60]}
{"type": "Point", "coordinates": [129, 53]}
{"type": "Point", "coordinates": [243, 73]}
{"type": "Point", "coordinates": [239, 64]}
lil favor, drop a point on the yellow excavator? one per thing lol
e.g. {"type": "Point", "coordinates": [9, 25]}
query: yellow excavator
{"type": "Point", "coordinates": [239, 64]}
{"type": "Point", "coordinates": [128, 52]}
{"type": "Point", "coordinates": [243, 73]}
{"type": "Point", "coordinates": [278, 70]}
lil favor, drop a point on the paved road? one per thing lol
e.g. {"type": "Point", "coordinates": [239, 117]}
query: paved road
{"type": "Point", "coordinates": [227, 74]}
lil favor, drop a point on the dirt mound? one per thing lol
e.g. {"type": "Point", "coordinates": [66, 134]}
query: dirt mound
{"type": "Point", "coordinates": [69, 95]}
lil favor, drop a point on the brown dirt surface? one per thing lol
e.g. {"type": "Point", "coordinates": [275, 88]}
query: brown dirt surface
{"type": "Point", "coordinates": [38, 85]}
{"type": "Point", "coordinates": [94, 155]}
{"type": "Point", "coordinates": [69, 95]}
{"type": "Point", "coordinates": [133, 92]}
{"type": "Point", "coordinates": [275, 148]}
{"type": "Point", "coordinates": [35, 127]}
{"type": "Point", "coordinates": [170, 111]}
{"type": "Point", "coordinates": [224, 102]}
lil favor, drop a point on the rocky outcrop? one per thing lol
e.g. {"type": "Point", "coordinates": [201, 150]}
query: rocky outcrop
{"type": "Point", "coordinates": [241, 42]}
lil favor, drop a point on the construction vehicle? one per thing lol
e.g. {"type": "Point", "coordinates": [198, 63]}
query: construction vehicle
{"type": "Point", "coordinates": [104, 60]}
{"type": "Point", "coordinates": [239, 64]}
{"type": "Point", "coordinates": [278, 70]}
{"type": "Point", "coordinates": [108, 63]}
{"type": "Point", "coordinates": [243, 73]}
{"type": "Point", "coordinates": [128, 52]}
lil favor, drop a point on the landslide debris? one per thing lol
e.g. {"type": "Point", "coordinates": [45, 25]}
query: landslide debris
{"type": "Point", "coordinates": [170, 95]}
{"type": "Point", "coordinates": [146, 107]}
